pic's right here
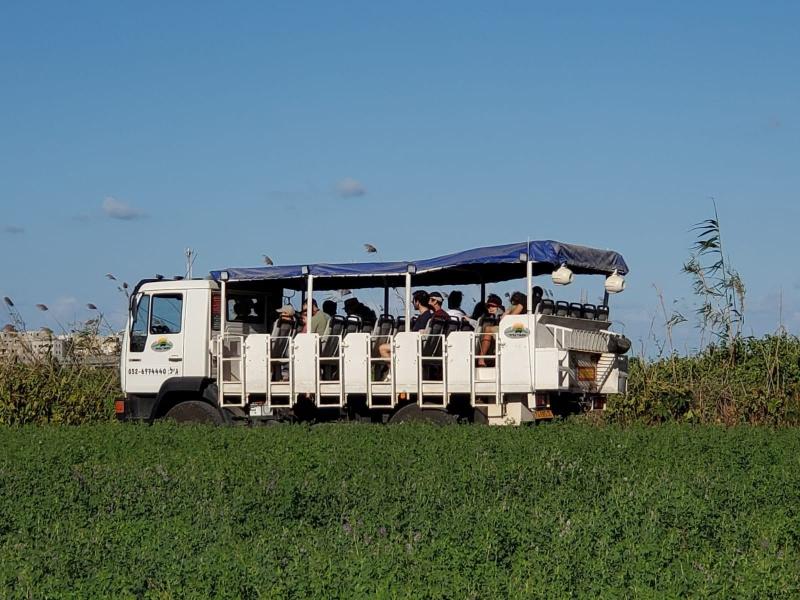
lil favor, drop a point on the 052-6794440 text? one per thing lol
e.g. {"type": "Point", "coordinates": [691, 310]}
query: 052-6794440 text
{"type": "Point", "coordinates": [153, 371]}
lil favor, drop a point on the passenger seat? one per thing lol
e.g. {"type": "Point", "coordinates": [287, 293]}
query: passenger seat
{"type": "Point", "coordinates": [436, 327]}
{"type": "Point", "coordinates": [284, 331]}
{"type": "Point", "coordinates": [384, 326]}
{"type": "Point", "coordinates": [328, 346]}
{"type": "Point", "coordinates": [353, 324]}
{"type": "Point", "coordinates": [589, 311]}
{"type": "Point", "coordinates": [453, 324]}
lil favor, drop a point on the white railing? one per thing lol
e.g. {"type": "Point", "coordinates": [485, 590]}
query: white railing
{"type": "Point", "coordinates": [432, 367]}
{"type": "Point", "coordinates": [280, 370]}
{"type": "Point", "coordinates": [330, 369]}
{"type": "Point", "coordinates": [381, 375]}
{"type": "Point", "coordinates": [231, 369]}
{"type": "Point", "coordinates": [489, 364]}
{"type": "Point", "coordinates": [278, 356]}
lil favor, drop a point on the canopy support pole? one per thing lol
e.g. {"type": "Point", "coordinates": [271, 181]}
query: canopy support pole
{"type": "Point", "coordinates": [385, 301]}
{"type": "Point", "coordinates": [529, 308]}
{"type": "Point", "coordinates": [483, 292]}
{"type": "Point", "coordinates": [408, 302]}
{"type": "Point", "coordinates": [605, 298]}
{"type": "Point", "coordinates": [309, 301]}
{"type": "Point", "coordinates": [223, 307]}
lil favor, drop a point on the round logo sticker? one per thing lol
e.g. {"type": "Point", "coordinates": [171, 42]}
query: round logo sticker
{"type": "Point", "coordinates": [162, 344]}
{"type": "Point", "coordinates": [517, 330]}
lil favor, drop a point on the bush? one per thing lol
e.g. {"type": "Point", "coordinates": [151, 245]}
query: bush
{"type": "Point", "coordinates": [46, 391]}
{"type": "Point", "coordinates": [752, 380]}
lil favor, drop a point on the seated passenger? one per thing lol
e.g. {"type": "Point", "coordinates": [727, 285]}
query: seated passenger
{"type": "Point", "coordinates": [285, 316]}
{"type": "Point", "coordinates": [352, 306]}
{"type": "Point", "coordinates": [319, 320]}
{"type": "Point", "coordinates": [478, 312]}
{"type": "Point", "coordinates": [242, 308]}
{"type": "Point", "coordinates": [329, 308]}
{"type": "Point", "coordinates": [494, 308]}
{"type": "Point", "coordinates": [519, 304]}
{"type": "Point", "coordinates": [454, 304]}
{"type": "Point", "coordinates": [283, 327]}
{"type": "Point", "coordinates": [538, 294]}
{"type": "Point", "coordinates": [454, 310]}
{"type": "Point", "coordinates": [420, 300]}
{"type": "Point", "coordinates": [435, 301]}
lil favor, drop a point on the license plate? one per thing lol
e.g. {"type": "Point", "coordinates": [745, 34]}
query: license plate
{"type": "Point", "coordinates": [543, 413]}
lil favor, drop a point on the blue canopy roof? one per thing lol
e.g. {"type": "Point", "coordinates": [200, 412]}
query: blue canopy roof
{"type": "Point", "coordinates": [480, 265]}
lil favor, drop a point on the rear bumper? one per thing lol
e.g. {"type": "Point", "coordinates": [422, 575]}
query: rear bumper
{"type": "Point", "coordinates": [135, 407]}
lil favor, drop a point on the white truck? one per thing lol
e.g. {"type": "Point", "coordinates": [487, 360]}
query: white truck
{"type": "Point", "coordinates": [218, 350]}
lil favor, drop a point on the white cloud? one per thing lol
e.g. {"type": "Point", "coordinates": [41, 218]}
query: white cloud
{"type": "Point", "coordinates": [350, 188]}
{"type": "Point", "coordinates": [117, 209]}
{"type": "Point", "coordinates": [13, 229]}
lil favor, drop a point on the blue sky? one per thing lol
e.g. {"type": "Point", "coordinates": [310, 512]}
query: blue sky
{"type": "Point", "coordinates": [303, 130]}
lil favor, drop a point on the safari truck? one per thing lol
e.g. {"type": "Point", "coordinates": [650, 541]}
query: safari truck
{"type": "Point", "coordinates": [226, 349]}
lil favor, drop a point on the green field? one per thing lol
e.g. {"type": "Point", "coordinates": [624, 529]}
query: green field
{"type": "Point", "coordinates": [399, 511]}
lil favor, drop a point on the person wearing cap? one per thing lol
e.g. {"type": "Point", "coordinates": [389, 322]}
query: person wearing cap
{"type": "Point", "coordinates": [286, 311]}
{"type": "Point", "coordinates": [285, 315]}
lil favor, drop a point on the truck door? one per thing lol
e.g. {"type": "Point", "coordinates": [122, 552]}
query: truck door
{"type": "Point", "coordinates": [156, 342]}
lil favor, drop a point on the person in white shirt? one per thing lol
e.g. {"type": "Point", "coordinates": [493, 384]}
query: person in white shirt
{"type": "Point", "coordinates": [454, 308]}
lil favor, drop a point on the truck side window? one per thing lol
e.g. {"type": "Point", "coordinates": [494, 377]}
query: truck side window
{"type": "Point", "coordinates": [139, 326]}
{"type": "Point", "coordinates": [166, 314]}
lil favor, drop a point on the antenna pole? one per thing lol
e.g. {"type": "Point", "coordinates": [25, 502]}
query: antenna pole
{"type": "Point", "coordinates": [190, 256]}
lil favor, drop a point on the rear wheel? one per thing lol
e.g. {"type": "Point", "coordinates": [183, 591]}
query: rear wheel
{"type": "Point", "coordinates": [412, 413]}
{"type": "Point", "coordinates": [195, 411]}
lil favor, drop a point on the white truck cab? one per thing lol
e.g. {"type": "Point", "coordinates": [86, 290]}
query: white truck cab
{"type": "Point", "coordinates": [217, 349]}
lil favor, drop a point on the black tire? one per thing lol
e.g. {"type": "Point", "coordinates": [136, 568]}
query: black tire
{"type": "Point", "coordinates": [195, 411]}
{"type": "Point", "coordinates": [412, 413]}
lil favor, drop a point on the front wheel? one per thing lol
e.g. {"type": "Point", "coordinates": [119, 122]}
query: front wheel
{"type": "Point", "coordinates": [195, 411]}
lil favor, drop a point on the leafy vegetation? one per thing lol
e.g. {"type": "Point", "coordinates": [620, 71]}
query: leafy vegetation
{"type": "Point", "coordinates": [65, 379]}
{"type": "Point", "coordinates": [38, 387]}
{"type": "Point", "coordinates": [733, 379]}
{"type": "Point", "coordinates": [717, 285]}
{"type": "Point", "coordinates": [749, 380]}
{"type": "Point", "coordinates": [348, 511]}
{"type": "Point", "coordinates": [48, 391]}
